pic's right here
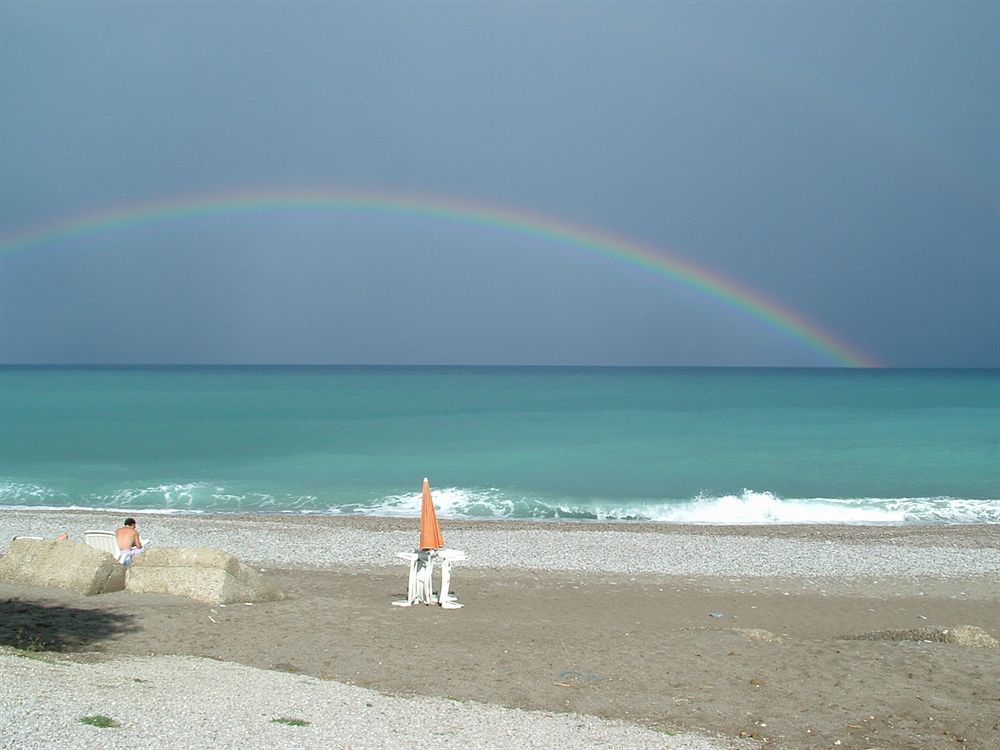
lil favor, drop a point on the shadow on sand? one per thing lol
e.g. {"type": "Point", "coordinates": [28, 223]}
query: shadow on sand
{"type": "Point", "coordinates": [30, 626]}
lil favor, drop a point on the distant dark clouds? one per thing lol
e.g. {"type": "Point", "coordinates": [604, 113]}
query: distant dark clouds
{"type": "Point", "coordinates": [839, 158]}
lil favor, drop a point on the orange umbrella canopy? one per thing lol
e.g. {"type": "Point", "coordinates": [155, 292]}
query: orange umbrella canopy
{"type": "Point", "coordinates": [430, 530]}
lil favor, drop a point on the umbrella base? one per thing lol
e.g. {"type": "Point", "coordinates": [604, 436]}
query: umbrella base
{"type": "Point", "coordinates": [420, 589]}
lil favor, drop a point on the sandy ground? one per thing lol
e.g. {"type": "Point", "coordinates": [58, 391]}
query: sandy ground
{"type": "Point", "coordinates": [733, 653]}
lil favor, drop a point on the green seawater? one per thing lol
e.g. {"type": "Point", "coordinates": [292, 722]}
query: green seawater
{"type": "Point", "coordinates": [673, 444]}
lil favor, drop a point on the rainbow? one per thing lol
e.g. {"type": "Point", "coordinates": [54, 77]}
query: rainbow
{"type": "Point", "coordinates": [677, 269]}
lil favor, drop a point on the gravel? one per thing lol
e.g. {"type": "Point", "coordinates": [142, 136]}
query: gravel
{"type": "Point", "coordinates": [182, 702]}
{"type": "Point", "coordinates": [332, 543]}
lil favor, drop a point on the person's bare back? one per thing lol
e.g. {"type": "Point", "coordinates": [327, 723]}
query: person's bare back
{"type": "Point", "coordinates": [128, 536]}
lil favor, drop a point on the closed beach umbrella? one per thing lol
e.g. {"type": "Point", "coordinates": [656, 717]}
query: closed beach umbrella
{"type": "Point", "coordinates": [430, 530]}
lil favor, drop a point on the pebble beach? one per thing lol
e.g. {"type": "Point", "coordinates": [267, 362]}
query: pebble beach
{"type": "Point", "coordinates": [572, 635]}
{"type": "Point", "coordinates": [331, 542]}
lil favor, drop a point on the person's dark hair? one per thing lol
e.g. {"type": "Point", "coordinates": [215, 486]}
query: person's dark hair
{"type": "Point", "coordinates": [129, 522]}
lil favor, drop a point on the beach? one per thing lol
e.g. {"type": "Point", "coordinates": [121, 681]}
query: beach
{"type": "Point", "coordinates": [637, 635]}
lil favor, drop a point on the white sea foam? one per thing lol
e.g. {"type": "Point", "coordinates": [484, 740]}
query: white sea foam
{"type": "Point", "coordinates": [747, 507]}
{"type": "Point", "coordinates": [23, 492]}
{"type": "Point", "coordinates": [453, 502]}
{"type": "Point", "coordinates": [752, 507]}
{"type": "Point", "coordinates": [178, 496]}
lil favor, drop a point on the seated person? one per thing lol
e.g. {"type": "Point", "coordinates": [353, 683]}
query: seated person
{"type": "Point", "coordinates": [129, 543]}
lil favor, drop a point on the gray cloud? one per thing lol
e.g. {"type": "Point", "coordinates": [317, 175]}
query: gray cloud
{"type": "Point", "coordinates": [840, 159]}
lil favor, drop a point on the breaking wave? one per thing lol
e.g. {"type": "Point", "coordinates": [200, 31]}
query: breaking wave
{"type": "Point", "coordinates": [747, 507]}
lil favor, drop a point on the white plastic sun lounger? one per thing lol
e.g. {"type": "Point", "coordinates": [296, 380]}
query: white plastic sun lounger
{"type": "Point", "coordinates": [105, 541]}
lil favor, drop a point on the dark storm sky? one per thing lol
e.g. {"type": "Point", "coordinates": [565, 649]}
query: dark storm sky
{"type": "Point", "coordinates": [840, 159]}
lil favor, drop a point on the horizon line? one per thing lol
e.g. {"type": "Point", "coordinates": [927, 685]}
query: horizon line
{"type": "Point", "coordinates": [453, 365]}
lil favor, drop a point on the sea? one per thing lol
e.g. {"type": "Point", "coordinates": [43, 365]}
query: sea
{"type": "Point", "coordinates": [584, 444]}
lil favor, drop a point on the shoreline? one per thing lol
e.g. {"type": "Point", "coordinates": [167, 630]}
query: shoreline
{"type": "Point", "coordinates": [540, 521]}
{"type": "Point", "coordinates": [398, 523]}
{"type": "Point", "coordinates": [823, 633]}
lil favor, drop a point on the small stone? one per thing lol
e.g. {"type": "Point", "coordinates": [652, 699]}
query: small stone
{"type": "Point", "coordinates": [757, 634]}
{"type": "Point", "coordinates": [757, 682]}
{"type": "Point", "coordinates": [971, 636]}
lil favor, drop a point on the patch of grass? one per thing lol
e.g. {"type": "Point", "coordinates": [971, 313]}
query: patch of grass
{"type": "Point", "coordinates": [290, 722]}
{"type": "Point", "coordinates": [23, 642]}
{"type": "Point", "coordinates": [99, 721]}
{"type": "Point", "coordinates": [663, 730]}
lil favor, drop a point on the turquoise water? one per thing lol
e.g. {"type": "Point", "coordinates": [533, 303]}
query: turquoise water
{"type": "Point", "coordinates": [684, 444]}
